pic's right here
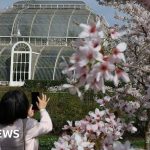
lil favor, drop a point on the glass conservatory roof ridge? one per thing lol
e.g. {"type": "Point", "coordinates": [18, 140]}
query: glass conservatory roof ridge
{"type": "Point", "coordinates": [50, 2]}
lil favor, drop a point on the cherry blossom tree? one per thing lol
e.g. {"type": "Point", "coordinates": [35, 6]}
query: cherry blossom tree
{"type": "Point", "coordinates": [104, 58]}
{"type": "Point", "coordinates": [143, 3]}
{"type": "Point", "coordinates": [99, 58]}
{"type": "Point", "coordinates": [137, 27]}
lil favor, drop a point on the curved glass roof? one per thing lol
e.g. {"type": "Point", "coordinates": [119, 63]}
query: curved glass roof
{"type": "Point", "coordinates": [44, 22]}
{"type": "Point", "coordinates": [5, 57]}
{"type": "Point", "coordinates": [49, 27]}
{"type": "Point", "coordinates": [45, 62]}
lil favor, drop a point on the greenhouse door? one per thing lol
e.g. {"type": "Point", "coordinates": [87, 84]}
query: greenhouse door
{"type": "Point", "coordinates": [21, 55]}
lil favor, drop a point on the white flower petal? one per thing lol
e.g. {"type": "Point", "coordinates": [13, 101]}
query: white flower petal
{"type": "Point", "coordinates": [84, 34]}
{"type": "Point", "coordinates": [98, 24]}
{"type": "Point", "coordinates": [85, 26]}
{"type": "Point", "coordinates": [121, 57]}
{"type": "Point", "coordinates": [79, 93]}
{"type": "Point", "coordinates": [122, 47]}
{"type": "Point", "coordinates": [83, 62]}
{"type": "Point", "coordinates": [101, 34]}
{"type": "Point", "coordinates": [71, 68]}
{"type": "Point", "coordinates": [98, 48]}
{"type": "Point", "coordinates": [98, 56]}
{"type": "Point", "coordinates": [102, 85]}
{"type": "Point", "coordinates": [87, 86]}
{"type": "Point", "coordinates": [98, 76]}
{"type": "Point", "coordinates": [67, 86]}
{"type": "Point", "coordinates": [114, 35]}
{"type": "Point", "coordinates": [116, 81]}
{"type": "Point", "coordinates": [125, 77]}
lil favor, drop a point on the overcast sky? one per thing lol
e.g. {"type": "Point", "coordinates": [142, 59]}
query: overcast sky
{"type": "Point", "coordinates": [106, 12]}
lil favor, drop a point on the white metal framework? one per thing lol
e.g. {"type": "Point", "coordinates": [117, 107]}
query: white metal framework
{"type": "Point", "coordinates": [50, 4]}
{"type": "Point", "coordinates": [21, 55]}
{"type": "Point", "coordinates": [33, 73]}
{"type": "Point", "coordinates": [54, 72]}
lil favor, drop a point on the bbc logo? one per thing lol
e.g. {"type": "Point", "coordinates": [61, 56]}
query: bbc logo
{"type": "Point", "coordinates": [9, 133]}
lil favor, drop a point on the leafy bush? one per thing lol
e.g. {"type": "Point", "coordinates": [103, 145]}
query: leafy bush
{"type": "Point", "coordinates": [64, 106]}
{"type": "Point", "coordinates": [42, 85]}
{"type": "Point", "coordinates": [46, 142]}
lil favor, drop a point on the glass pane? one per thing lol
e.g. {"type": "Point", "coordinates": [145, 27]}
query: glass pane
{"type": "Point", "coordinates": [14, 66]}
{"type": "Point", "coordinates": [18, 76]}
{"type": "Point", "coordinates": [22, 67]}
{"type": "Point", "coordinates": [59, 26]}
{"type": "Point", "coordinates": [18, 66]}
{"type": "Point", "coordinates": [23, 58]}
{"type": "Point", "coordinates": [14, 76]}
{"type": "Point", "coordinates": [5, 30]}
{"type": "Point", "coordinates": [7, 18]}
{"type": "Point", "coordinates": [26, 67]}
{"type": "Point", "coordinates": [27, 58]}
{"type": "Point", "coordinates": [79, 16]}
{"type": "Point", "coordinates": [26, 75]}
{"type": "Point", "coordinates": [46, 62]}
{"type": "Point", "coordinates": [24, 30]}
{"type": "Point", "coordinates": [40, 30]}
{"type": "Point", "coordinates": [4, 73]}
{"type": "Point", "coordinates": [44, 74]}
{"type": "Point", "coordinates": [22, 76]}
{"type": "Point", "coordinates": [5, 60]}
{"type": "Point", "coordinates": [26, 17]}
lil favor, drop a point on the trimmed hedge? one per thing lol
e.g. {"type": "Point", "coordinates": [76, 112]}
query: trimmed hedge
{"type": "Point", "coordinates": [64, 106]}
{"type": "Point", "coordinates": [42, 85]}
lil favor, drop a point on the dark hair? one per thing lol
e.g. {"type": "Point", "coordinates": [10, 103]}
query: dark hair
{"type": "Point", "coordinates": [13, 105]}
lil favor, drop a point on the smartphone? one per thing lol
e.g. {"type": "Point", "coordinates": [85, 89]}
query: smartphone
{"type": "Point", "coordinates": [35, 96]}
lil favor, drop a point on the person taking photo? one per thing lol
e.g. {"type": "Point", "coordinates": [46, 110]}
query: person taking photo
{"type": "Point", "coordinates": [18, 130]}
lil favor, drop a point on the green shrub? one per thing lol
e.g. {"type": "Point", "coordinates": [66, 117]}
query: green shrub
{"type": "Point", "coordinates": [46, 142]}
{"type": "Point", "coordinates": [64, 106]}
{"type": "Point", "coordinates": [42, 85]}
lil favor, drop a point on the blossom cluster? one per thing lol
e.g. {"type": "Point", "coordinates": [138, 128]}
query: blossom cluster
{"type": "Point", "coordinates": [119, 146]}
{"type": "Point", "coordinates": [144, 3]}
{"type": "Point", "coordinates": [128, 102]}
{"type": "Point", "coordinates": [74, 142]}
{"type": "Point", "coordinates": [99, 129]}
{"type": "Point", "coordinates": [118, 105]}
{"type": "Point", "coordinates": [99, 57]}
{"type": "Point", "coordinates": [137, 27]}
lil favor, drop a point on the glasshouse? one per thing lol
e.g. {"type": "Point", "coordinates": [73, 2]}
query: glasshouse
{"type": "Point", "coordinates": [35, 36]}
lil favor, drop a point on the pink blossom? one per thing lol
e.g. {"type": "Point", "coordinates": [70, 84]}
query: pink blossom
{"type": "Point", "coordinates": [103, 101]}
{"type": "Point", "coordinates": [120, 74]}
{"type": "Point", "coordinates": [131, 128]}
{"type": "Point", "coordinates": [89, 55]}
{"type": "Point", "coordinates": [119, 146]}
{"type": "Point", "coordinates": [72, 89]}
{"type": "Point", "coordinates": [98, 114]}
{"type": "Point", "coordinates": [113, 33]}
{"type": "Point", "coordinates": [92, 83]}
{"type": "Point", "coordinates": [117, 53]}
{"type": "Point", "coordinates": [104, 70]}
{"type": "Point", "coordinates": [92, 30]}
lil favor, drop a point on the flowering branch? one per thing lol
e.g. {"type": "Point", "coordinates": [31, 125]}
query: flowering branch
{"type": "Point", "coordinates": [98, 58]}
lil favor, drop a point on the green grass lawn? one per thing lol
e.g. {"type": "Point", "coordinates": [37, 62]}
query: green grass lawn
{"type": "Point", "coordinates": [46, 141]}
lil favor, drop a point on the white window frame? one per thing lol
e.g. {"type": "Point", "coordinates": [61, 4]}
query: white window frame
{"type": "Point", "coordinates": [15, 52]}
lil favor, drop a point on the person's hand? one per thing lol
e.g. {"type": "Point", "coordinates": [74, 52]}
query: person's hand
{"type": "Point", "coordinates": [30, 111]}
{"type": "Point", "coordinates": [42, 102]}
